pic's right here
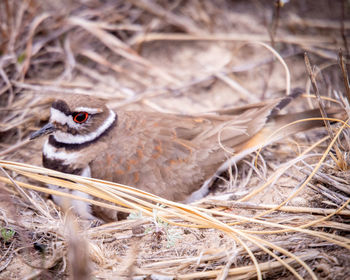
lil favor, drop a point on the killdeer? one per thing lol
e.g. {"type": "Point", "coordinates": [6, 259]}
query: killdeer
{"type": "Point", "coordinates": [164, 154]}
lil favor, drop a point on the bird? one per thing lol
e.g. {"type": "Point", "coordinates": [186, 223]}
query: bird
{"type": "Point", "coordinates": [169, 155]}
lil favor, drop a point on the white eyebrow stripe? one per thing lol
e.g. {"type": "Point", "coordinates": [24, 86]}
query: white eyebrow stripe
{"type": "Point", "coordinates": [88, 110]}
{"type": "Point", "coordinates": [58, 116]}
{"type": "Point", "coordinates": [68, 138]}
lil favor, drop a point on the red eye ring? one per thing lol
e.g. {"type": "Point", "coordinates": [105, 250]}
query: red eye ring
{"type": "Point", "coordinates": [80, 117]}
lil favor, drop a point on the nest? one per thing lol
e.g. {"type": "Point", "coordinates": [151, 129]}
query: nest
{"type": "Point", "coordinates": [280, 213]}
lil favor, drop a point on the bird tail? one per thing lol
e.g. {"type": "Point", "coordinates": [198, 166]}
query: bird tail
{"type": "Point", "coordinates": [281, 126]}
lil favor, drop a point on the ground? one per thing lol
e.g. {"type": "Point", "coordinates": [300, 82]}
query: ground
{"type": "Point", "coordinates": [183, 57]}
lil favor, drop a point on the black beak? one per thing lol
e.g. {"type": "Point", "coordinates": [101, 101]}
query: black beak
{"type": "Point", "coordinates": [46, 129]}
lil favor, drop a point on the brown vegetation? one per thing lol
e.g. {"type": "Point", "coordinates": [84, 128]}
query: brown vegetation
{"type": "Point", "coordinates": [285, 210]}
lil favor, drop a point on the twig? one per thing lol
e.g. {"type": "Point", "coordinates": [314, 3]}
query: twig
{"type": "Point", "coordinates": [345, 75]}
{"type": "Point", "coordinates": [337, 198]}
{"type": "Point", "coordinates": [312, 77]}
{"type": "Point", "coordinates": [243, 270]}
{"type": "Point", "coordinates": [275, 20]}
{"type": "Point", "coordinates": [326, 179]}
{"type": "Point", "coordinates": [23, 194]}
{"type": "Point", "coordinates": [182, 22]}
{"type": "Point", "coordinates": [291, 39]}
{"type": "Point", "coordinates": [292, 209]}
{"type": "Point", "coordinates": [272, 33]}
{"type": "Point", "coordinates": [342, 25]}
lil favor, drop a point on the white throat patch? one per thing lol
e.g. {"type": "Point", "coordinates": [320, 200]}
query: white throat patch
{"type": "Point", "coordinates": [51, 152]}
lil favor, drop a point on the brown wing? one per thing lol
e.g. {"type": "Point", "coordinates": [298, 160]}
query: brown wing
{"type": "Point", "coordinates": [153, 152]}
{"type": "Point", "coordinates": [171, 155]}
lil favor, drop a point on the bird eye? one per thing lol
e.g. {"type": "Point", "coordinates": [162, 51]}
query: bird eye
{"type": "Point", "coordinates": [80, 117]}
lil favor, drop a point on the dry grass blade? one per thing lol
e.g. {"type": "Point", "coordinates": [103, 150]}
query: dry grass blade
{"type": "Point", "coordinates": [183, 57]}
{"type": "Point", "coordinates": [280, 59]}
{"type": "Point", "coordinates": [325, 154]}
{"type": "Point", "coordinates": [119, 195]}
{"type": "Point", "coordinates": [345, 75]}
{"type": "Point", "coordinates": [293, 209]}
{"type": "Point", "coordinates": [117, 46]}
{"type": "Point", "coordinates": [344, 242]}
{"type": "Point", "coordinates": [29, 48]}
{"type": "Point", "coordinates": [312, 77]}
{"type": "Point", "coordinates": [231, 37]}
{"type": "Point", "coordinates": [341, 162]}
{"type": "Point", "coordinates": [182, 22]}
{"type": "Point", "coordinates": [244, 271]}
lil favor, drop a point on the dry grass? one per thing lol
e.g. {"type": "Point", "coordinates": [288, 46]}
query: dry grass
{"type": "Point", "coordinates": [282, 213]}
